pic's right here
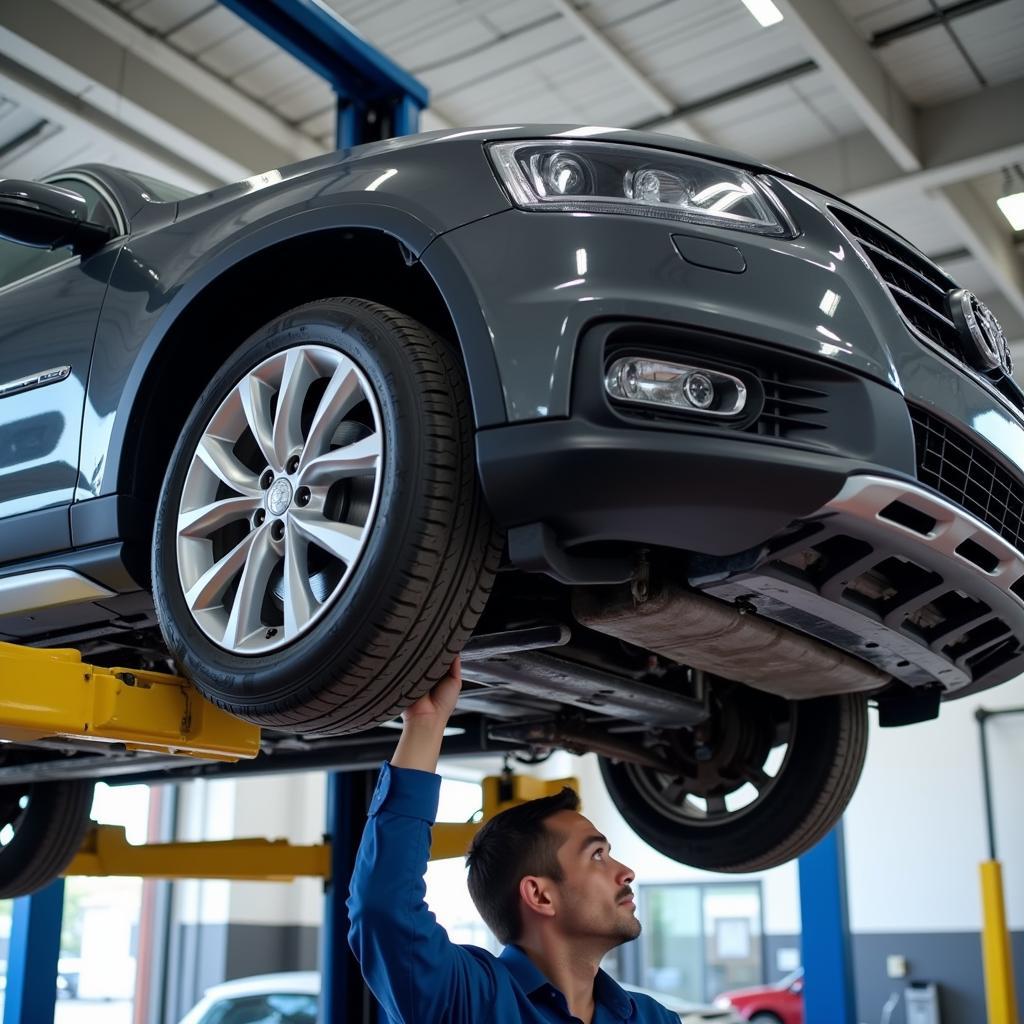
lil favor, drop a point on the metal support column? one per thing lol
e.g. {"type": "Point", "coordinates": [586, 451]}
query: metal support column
{"type": "Point", "coordinates": [32, 961]}
{"type": "Point", "coordinates": [343, 996]}
{"type": "Point", "coordinates": [825, 929]}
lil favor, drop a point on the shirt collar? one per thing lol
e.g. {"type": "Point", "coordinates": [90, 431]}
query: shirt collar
{"type": "Point", "coordinates": [530, 978]}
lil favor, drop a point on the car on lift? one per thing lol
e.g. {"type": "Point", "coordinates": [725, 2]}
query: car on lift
{"type": "Point", "coordinates": [689, 458]}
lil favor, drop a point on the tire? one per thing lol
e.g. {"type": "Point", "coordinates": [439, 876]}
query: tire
{"type": "Point", "coordinates": [411, 550]}
{"type": "Point", "coordinates": [765, 1018]}
{"type": "Point", "coordinates": [45, 823]}
{"type": "Point", "coordinates": [825, 749]}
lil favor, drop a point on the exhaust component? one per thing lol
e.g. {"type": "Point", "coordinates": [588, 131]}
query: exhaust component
{"type": "Point", "coordinates": [716, 637]}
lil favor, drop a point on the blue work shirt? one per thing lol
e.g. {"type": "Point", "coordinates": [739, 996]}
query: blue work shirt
{"type": "Point", "coordinates": [416, 972]}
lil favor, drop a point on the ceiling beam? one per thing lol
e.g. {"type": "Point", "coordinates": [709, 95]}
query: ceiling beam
{"type": "Point", "coordinates": [663, 104]}
{"type": "Point", "coordinates": [985, 236]}
{"type": "Point", "coordinates": [849, 62]}
{"type": "Point", "coordinates": [101, 70]}
{"type": "Point", "coordinates": [960, 139]}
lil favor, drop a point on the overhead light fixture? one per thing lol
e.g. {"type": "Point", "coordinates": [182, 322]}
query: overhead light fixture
{"type": "Point", "coordinates": [1013, 209]}
{"type": "Point", "coordinates": [764, 11]}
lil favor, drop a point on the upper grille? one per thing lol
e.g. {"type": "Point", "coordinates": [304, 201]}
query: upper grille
{"type": "Point", "coordinates": [954, 466]}
{"type": "Point", "coordinates": [916, 284]}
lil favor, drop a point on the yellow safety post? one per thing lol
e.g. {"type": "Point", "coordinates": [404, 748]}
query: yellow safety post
{"type": "Point", "coordinates": [106, 851]}
{"type": "Point", "coordinates": [53, 693]}
{"type": "Point", "coordinates": [1000, 995]}
{"type": "Point", "coordinates": [995, 938]}
{"type": "Point", "coordinates": [452, 839]}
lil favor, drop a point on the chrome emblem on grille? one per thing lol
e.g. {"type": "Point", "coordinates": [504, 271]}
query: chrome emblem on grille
{"type": "Point", "coordinates": [986, 346]}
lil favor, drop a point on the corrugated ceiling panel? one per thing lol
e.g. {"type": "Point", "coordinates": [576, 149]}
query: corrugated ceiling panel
{"type": "Point", "coordinates": [206, 31]}
{"type": "Point", "coordinates": [303, 99]}
{"type": "Point", "coordinates": [508, 56]}
{"type": "Point", "coordinates": [279, 71]}
{"type": "Point", "coordinates": [693, 50]}
{"type": "Point", "coordinates": [995, 40]}
{"type": "Point", "coordinates": [772, 123]}
{"type": "Point", "coordinates": [871, 16]}
{"type": "Point", "coordinates": [163, 16]}
{"type": "Point", "coordinates": [238, 52]}
{"type": "Point", "coordinates": [928, 68]}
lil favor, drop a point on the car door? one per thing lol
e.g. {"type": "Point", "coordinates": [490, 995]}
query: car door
{"type": "Point", "coordinates": [49, 305]}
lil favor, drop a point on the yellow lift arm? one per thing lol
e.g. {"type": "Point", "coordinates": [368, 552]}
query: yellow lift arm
{"type": "Point", "coordinates": [107, 852]}
{"type": "Point", "coordinates": [53, 693]}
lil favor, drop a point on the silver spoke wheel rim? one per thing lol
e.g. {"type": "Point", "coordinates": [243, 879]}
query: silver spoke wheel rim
{"type": "Point", "coordinates": [280, 499]}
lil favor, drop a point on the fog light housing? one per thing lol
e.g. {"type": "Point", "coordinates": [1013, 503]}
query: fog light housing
{"type": "Point", "coordinates": [677, 386]}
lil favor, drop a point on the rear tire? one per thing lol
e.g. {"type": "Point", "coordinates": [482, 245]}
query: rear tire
{"type": "Point", "coordinates": [385, 621]}
{"type": "Point", "coordinates": [44, 824]}
{"type": "Point", "coordinates": [826, 745]}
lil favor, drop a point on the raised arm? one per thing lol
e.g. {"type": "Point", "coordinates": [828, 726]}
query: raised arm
{"type": "Point", "coordinates": [416, 972]}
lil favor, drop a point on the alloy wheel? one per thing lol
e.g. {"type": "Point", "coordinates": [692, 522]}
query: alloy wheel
{"type": "Point", "coordinates": [280, 499]}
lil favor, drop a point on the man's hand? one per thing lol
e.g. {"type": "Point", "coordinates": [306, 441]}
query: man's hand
{"type": "Point", "coordinates": [424, 722]}
{"type": "Point", "coordinates": [441, 700]}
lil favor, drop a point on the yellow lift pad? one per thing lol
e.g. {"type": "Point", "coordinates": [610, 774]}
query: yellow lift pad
{"type": "Point", "coordinates": [49, 693]}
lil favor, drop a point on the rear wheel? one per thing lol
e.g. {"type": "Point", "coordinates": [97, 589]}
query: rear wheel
{"type": "Point", "coordinates": [322, 548]}
{"type": "Point", "coordinates": [42, 825]}
{"type": "Point", "coordinates": [760, 784]}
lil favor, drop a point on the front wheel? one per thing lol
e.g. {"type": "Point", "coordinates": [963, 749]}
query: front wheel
{"type": "Point", "coordinates": [759, 785]}
{"type": "Point", "coordinates": [322, 547]}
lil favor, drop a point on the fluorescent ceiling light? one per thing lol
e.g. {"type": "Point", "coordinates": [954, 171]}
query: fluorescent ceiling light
{"type": "Point", "coordinates": [1013, 209]}
{"type": "Point", "coordinates": [765, 11]}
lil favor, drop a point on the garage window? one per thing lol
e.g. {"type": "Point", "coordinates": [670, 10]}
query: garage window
{"type": "Point", "coordinates": [700, 939]}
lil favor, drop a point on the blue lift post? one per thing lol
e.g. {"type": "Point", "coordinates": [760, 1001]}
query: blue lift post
{"type": "Point", "coordinates": [31, 991]}
{"type": "Point", "coordinates": [825, 933]}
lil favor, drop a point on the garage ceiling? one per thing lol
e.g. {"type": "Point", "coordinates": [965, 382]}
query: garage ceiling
{"type": "Point", "coordinates": [909, 108]}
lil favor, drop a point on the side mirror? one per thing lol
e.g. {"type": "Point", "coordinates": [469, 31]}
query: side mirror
{"type": "Point", "coordinates": [797, 986]}
{"type": "Point", "coordinates": [47, 217]}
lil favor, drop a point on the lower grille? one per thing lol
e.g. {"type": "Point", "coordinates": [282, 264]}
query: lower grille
{"type": "Point", "coordinates": [953, 465]}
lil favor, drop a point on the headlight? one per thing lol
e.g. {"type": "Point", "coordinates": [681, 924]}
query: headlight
{"type": "Point", "coordinates": [602, 177]}
{"type": "Point", "coordinates": [722, 1003]}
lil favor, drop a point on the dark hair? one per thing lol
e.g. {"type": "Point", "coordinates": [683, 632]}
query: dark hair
{"type": "Point", "coordinates": [513, 844]}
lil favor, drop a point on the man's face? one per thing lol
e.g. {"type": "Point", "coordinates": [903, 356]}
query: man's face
{"type": "Point", "coordinates": [595, 897]}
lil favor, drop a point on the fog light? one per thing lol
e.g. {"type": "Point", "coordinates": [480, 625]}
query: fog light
{"type": "Point", "coordinates": [676, 386]}
{"type": "Point", "coordinates": [700, 390]}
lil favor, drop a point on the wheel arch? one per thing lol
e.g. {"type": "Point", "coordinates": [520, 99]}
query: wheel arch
{"type": "Point", "coordinates": [233, 295]}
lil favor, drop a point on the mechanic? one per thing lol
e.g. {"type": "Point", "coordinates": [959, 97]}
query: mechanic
{"type": "Point", "coordinates": [541, 876]}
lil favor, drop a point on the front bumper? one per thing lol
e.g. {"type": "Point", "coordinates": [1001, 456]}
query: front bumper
{"type": "Point", "coordinates": [784, 513]}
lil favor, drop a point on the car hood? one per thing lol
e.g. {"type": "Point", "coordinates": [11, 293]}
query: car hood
{"type": "Point", "coordinates": [494, 133]}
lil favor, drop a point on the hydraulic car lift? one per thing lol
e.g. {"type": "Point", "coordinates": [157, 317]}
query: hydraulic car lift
{"type": "Point", "coordinates": [51, 694]}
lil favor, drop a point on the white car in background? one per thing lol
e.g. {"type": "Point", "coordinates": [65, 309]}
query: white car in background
{"type": "Point", "coordinates": [292, 997]}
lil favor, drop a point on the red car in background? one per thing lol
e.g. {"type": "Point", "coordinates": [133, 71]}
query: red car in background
{"type": "Point", "coordinates": [780, 1003]}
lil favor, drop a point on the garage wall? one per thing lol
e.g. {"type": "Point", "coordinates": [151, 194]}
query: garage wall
{"type": "Point", "coordinates": [225, 930]}
{"type": "Point", "coordinates": [915, 834]}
